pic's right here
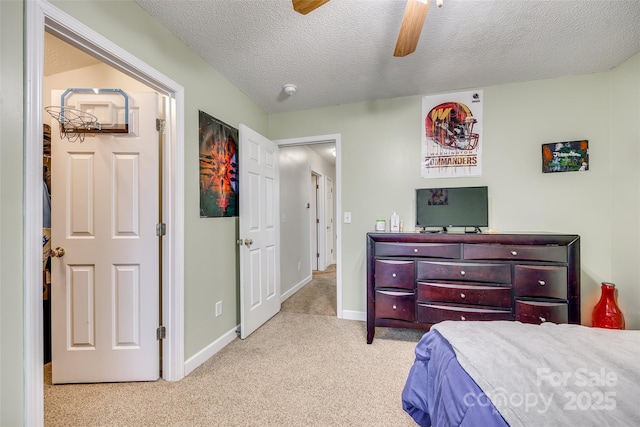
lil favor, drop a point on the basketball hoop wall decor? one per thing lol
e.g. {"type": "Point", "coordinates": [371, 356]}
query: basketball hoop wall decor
{"type": "Point", "coordinates": [78, 120]}
{"type": "Point", "coordinates": [74, 124]}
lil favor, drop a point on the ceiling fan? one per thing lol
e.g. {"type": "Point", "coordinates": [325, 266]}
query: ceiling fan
{"type": "Point", "coordinates": [412, 22]}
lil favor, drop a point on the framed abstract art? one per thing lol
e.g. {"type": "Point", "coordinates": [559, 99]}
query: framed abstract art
{"type": "Point", "coordinates": [566, 156]}
{"type": "Point", "coordinates": [218, 168]}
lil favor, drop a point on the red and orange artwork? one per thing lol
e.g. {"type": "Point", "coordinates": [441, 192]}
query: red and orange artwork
{"type": "Point", "coordinates": [218, 168]}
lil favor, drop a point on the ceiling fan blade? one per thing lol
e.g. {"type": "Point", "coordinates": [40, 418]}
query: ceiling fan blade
{"type": "Point", "coordinates": [306, 6]}
{"type": "Point", "coordinates": [412, 23]}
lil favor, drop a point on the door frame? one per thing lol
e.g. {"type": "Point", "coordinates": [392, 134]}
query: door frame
{"type": "Point", "coordinates": [39, 15]}
{"type": "Point", "coordinates": [323, 139]}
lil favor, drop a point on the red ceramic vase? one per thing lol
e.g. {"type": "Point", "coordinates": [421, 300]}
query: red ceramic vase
{"type": "Point", "coordinates": [606, 313]}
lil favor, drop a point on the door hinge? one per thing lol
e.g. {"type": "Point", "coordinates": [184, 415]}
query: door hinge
{"type": "Point", "coordinates": [161, 333]}
{"type": "Point", "coordinates": [160, 125]}
{"type": "Point", "coordinates": [161, 229]}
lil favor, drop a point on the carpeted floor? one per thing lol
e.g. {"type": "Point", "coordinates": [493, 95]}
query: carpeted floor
{"type": "Point", "coordinates": [295, 370]}
{"type": "Point", "coordinates": [317, 296]}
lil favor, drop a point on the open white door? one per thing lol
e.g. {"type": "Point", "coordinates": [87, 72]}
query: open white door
{"type": "Point", "coordinates": [259, 230]}
{"type": "Point", "coordinates": [313, 223]}
{"type": "Point", "coordinates": [330, 255]}
{"type": "Point", "coordinates": [105, 287]}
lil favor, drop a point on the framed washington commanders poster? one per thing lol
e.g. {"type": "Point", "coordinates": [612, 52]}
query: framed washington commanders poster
{"type": "Point", "coordinates": [452, 135]}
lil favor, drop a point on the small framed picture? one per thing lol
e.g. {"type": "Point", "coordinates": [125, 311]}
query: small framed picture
{"type": "Point", "coordinates": [568, 156]}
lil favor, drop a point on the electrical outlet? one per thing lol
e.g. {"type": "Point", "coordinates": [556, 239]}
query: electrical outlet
{"type": "Point", "coordinates": [218, 308]}
{"type": "Point", "coordinates": [299, 266]}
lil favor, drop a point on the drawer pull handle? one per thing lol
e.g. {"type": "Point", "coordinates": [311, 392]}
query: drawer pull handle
{"type": "Point", "coordinates": [542, 282]}
{"type": "Point", "coordinates": [542, 319]}
{"type": "Point", "coordinates": [394, 307]}
{"type": "Point", "coordinates": [514, 253]}
{"type": "Point", "coordinates": [462, 273]}
{"type": "Point", "coordinates": [462, 318]}
{"type": "Point", "coordinates": [462, 296]}
{"type": "Point", "coordinates": [393, 275]}
{"type": "Point", "coordinates": [415, 251]}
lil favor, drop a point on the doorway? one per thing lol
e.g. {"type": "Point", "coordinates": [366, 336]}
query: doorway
{"type": "Point", "coordinates": [41, 16]}
{"type": "Point", "coordinates": [132, 145]}
{"type": "Point", "coordinates": [321, 217]}
{"type": "Point", "coordinates": [332, 145]}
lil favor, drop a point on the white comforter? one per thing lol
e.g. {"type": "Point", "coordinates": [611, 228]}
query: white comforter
{"type": "Point", "coordinates": [551, 375]}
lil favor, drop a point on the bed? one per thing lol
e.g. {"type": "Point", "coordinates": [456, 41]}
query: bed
{"type": "Point", "coordinates": [505, 373]}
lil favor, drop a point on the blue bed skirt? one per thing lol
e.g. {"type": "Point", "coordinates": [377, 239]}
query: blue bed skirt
{"type": "Point", "coordinates": [440, 393]}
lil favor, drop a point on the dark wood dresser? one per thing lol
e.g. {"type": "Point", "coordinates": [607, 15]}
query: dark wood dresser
{"type": "Point", "coordinates": [417, 279]}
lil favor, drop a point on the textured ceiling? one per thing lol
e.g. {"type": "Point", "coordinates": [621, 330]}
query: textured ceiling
{"type": "Point", "coordinates": [343, 52]}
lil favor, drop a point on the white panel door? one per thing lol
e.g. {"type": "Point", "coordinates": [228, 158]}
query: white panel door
{"type": "Point", "coordinates": [259, 230]}
{"type": "Point", "coordinates": [105, 288]}
{"type": "Point", "coordinates": [313, 222]}
{"type": "Point", "coordinates": [330, 256]}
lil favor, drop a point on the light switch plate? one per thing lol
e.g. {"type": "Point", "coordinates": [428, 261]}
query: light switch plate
{"type": "Point", "coordinates": [347, 217]}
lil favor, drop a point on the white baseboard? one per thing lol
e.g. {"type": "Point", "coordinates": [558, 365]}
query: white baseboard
{"type": "Point", "coordinates": [206, 353]}
{"type": "Point", "coordinates": [296, 288]}
{"type": "Point", "coordinates": [354, 315]}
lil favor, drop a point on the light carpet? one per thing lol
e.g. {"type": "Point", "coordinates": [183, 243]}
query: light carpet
{"type": "Point", "coordinates": [295, 370]}
{"type": "Point", "coordinates": [316, 297]}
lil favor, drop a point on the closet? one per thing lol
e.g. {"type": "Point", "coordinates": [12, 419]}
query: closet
{"type": "Point", "coordinates": [46, 241]}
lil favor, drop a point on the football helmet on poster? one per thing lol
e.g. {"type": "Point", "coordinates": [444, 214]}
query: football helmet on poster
{"type": "Point", "coordinates": [450, 124]}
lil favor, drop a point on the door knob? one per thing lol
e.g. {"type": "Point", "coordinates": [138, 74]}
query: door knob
{"type": "Point", "coordinates": [246, 242]}
{"type": "Point", "coordinates": [57, 252]}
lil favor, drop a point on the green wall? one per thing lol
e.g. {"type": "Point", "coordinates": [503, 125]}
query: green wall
{"type": "Point", "coordinates": [11, 221]}
{"type": "Point", "coordinates": [210, 248]}
{"type": "Point", "coordinates": [381, 168]}
{"type": "Point", "coordinates": [625, 187]}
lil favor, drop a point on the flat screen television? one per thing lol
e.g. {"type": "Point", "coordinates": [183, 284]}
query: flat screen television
{"type": "Point", "coordinates": [452, 207]}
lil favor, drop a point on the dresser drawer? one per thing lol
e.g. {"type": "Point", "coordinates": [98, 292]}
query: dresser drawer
{"type": "Point", "coordinates": [431, 250]}
{"type": "Point", "coordinates": [517, 252]}
{"type": "Point", "coordinates": [477, 272]}
{"type": "Point", "coordinates": [395, 274]}
{"type": "Point", "coordinates": [541, 311]}
{"type": "Point", "coordinates": [396, 305]}
{"type": "Point", "coordinates": [496, 296]}
{"type": "Point", "coordinates": [434, 313]}
{"type": "Point", "coordinates": [540, 281]}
